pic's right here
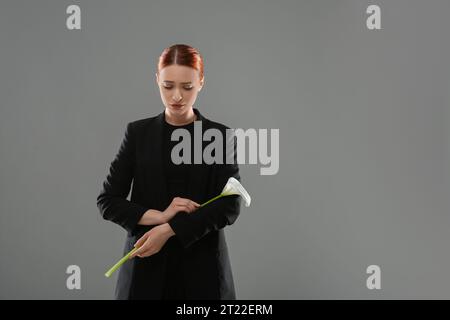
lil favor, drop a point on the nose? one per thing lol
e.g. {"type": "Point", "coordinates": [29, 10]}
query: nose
{"type": "Point", "coordinates": [177, 96]}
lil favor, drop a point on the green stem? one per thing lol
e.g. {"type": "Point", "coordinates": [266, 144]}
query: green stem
{"type": "Point", "coordinates": [125, 258]}
{"type": "Point", "coordinates": [211, 200]}
{"type": "Point", "coordinates": [118, 264]}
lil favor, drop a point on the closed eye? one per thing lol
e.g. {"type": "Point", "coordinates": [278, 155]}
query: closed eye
{"type": "Point", "coordinates": [185, 88]}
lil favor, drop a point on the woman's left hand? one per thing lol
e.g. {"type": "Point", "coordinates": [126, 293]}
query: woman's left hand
{"type": "Point", "coordinates": [152, 241]}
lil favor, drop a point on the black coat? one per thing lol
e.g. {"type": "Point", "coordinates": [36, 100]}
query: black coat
{"type": "Point", "coordinates": [206, 265]}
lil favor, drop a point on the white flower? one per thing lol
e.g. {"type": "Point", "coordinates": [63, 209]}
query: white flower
{"type": "Point", "coordinates": [233, 186]}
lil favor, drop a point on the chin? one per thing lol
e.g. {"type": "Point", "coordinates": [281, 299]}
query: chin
{"type": "Point", "coordinates": [175, 109]}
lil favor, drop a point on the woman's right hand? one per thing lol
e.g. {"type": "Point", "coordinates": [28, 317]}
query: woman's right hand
{"type": "Point", "coordinates": [179, 204]}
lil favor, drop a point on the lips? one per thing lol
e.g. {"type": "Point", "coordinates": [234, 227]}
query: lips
{"type": "Point", "coordinates": [177, 105]}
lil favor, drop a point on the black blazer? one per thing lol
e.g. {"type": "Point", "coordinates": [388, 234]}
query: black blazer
{"type": "Point", "coordinates": [207, 268]}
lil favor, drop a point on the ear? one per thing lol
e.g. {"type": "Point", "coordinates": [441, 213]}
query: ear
{"type": "Point", "coordinates": [157, 78]}
{"type": "Point", "coordinates": [202, 82]}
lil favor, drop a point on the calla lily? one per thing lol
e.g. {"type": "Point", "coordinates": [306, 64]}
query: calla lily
{"type": "Point", "coordinates": [233, 187]}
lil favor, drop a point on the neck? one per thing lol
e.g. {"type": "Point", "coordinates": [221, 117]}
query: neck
{"type": "Point", "coordinates": [180, 119]}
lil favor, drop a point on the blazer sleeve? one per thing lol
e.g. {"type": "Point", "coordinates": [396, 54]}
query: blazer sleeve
{"type": "Point", "coordinates": [112, 201]}
{"type": "Point", "coordinates": [190, 227]}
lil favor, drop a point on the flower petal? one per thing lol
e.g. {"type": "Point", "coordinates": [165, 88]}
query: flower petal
{"type": "Point", "coordinates": [233, 186]}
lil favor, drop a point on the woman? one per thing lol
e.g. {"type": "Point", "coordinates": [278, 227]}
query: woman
{"type": "Point", "coordinates": [182, 248]}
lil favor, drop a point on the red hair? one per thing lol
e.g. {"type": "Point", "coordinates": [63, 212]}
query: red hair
{"type": "Point", "coordinates": [183, 55]}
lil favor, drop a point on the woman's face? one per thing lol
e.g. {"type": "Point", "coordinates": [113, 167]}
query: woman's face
{"type": "Point", "coordinates": [179, 87]}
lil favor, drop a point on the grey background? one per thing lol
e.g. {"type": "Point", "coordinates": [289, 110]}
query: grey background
{"type": "Point", "coordinates": [364, 139]}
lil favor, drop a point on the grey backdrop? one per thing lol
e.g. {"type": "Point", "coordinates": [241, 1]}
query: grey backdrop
{"type": "Point", "coordinates": [364, 139]}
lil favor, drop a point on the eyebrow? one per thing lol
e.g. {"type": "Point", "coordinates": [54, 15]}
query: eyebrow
{"type": "Point", "coordinates": [181, 82]}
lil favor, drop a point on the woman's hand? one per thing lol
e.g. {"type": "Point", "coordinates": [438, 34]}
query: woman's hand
{"type": "Point", "coordinates": [152, 241]}
{"type": "Point", "coordinates": [179, 204]}
{"type": "Point", "coordinates": [152, 217]}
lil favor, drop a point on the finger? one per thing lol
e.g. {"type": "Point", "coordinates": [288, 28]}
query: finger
{"type": "Point", "coordinates": [136, 253]}
{"type": "Point", "coordinates": [182, 207]}
{"type": "Point", "coordinates": [195, 203]}
{"type": "Point", "coordinates": [189, 208]}
{"type": "Point", "coordinates": [141, 241]}
{"type": "Point", "coordinates": [142, 251]}
{"type": "Point", "coordinates": [190, 204]}
{"type": "Point", "coordinates": [185, 201]}
{"type": "Point", "coordinates": [146, 253]}
{"type": "Point", "coordinates": [179, 203]}
{"type": "Point", "coordinates": [178, 200]}
{"type": "Point", "coordinates": [149, 252]}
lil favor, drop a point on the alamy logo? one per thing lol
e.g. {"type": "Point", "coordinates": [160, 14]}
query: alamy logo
{"type": "Point", "coordinates": [374, 280]}
{"type": "Point", "coordinates": [73, 21]}
{"type": "Point", "coordinates": [235, 141]}
{"type": "Point", "coordinates": [373, 21]}
{"type": "Point", "coordinates": [74, 279]}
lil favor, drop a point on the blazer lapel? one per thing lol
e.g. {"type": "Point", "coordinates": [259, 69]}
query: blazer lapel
{"type": "Point", "coordinates": [197, 177]}
{"type": "Point", "coordinates": [156, 182]}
